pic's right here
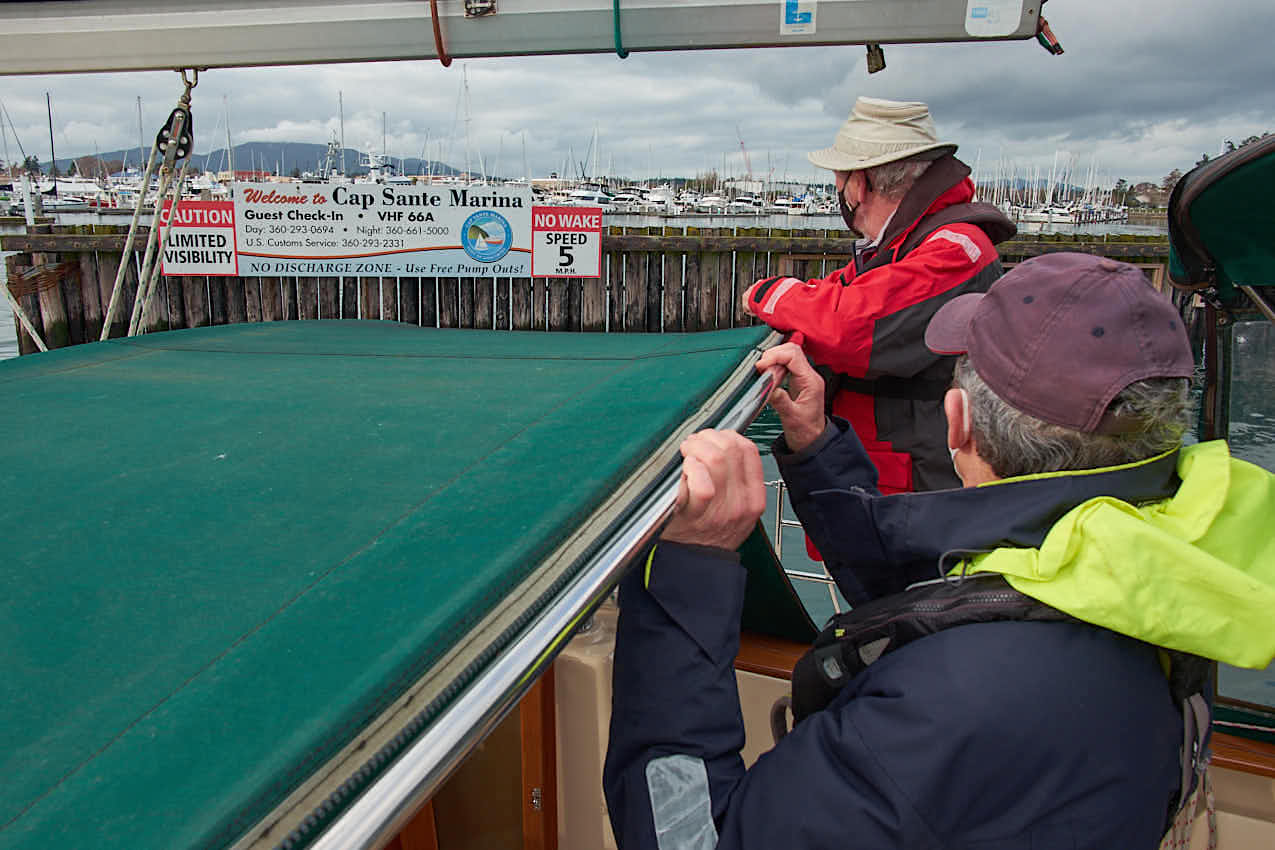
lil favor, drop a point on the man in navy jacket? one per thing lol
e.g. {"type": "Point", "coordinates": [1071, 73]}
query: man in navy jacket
{"type": "Point", "coordinates": [991, 735]}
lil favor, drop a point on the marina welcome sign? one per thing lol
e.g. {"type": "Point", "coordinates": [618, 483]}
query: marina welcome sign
{"type": "Point", "coordinates": [369, 229]}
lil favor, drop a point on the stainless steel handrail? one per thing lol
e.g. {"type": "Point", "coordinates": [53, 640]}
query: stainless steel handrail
{"type": "Point", "coordinates": [375, 817]}
{"type": "Point", "coordinates": [824, 578]}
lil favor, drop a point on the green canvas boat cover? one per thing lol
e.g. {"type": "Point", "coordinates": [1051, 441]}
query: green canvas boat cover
{"type": "Point", "coordinates": [1219, 224]}
{"type": "Point", "coordinates": [229, 550]}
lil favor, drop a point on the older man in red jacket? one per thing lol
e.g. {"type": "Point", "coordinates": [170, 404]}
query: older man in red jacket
{"type": "Point", "coordinates": [863, 325]}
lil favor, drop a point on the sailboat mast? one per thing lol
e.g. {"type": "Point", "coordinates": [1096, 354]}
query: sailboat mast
{"type": "Point", "coordinates": [141, 139]}
{"type": "Point", "coordinates": [230, 149]}
{"type": "Point", "coordinates": [4, 139]}
{"type": "Point", "coordinates": [53, 157]}
{"type": "Point", "coordinates": [340, 107]}
{"type": "Point", "coordinates": [468, 119]}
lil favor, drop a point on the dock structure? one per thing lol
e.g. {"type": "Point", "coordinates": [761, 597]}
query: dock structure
{"type": "Point", "coordinates": [654, 279]}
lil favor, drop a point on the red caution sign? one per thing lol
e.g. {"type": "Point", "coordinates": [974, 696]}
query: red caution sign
{"type": "Point", "coordinates": [203, 239]}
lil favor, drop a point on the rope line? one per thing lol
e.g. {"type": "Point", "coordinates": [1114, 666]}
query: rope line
{"type": "Point", "coordinates": [438, 35]}
{"type": "Point", "coordinates": [619, 41]}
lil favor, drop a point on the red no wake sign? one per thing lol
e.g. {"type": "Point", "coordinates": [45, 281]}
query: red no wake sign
{"type": "Point", "coordinates": [566, 242]}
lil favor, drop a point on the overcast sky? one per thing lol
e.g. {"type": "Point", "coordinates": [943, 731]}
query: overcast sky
{"type": "Point", "coordinates": [1145, 86]}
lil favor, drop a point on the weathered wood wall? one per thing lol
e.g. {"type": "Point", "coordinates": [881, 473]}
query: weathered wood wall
{"type": "Point", "coordinates": [657, 279]}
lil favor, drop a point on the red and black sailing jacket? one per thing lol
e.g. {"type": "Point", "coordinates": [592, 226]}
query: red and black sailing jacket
{"type": "Point", "coordinates": [864, 324]}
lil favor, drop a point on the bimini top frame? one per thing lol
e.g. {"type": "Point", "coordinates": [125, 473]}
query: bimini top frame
{"type": "Point", "coordinates": [71, 36]}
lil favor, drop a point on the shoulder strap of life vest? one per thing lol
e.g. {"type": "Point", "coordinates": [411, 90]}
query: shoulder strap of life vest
{"type": "Point", "coordinates": [858, 638]}
{"type": "Point", "coordinates": [855, 639]}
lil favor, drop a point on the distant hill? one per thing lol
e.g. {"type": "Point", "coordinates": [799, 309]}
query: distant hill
{"type": "Point", "coordinates": [273, 157]}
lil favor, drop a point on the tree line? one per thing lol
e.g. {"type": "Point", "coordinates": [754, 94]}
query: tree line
{"type": "Point", "coordinates": [1157, 194]}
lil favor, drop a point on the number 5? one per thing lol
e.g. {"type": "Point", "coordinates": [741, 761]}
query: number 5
{"type": "Point", "coordinates": [565, 257]}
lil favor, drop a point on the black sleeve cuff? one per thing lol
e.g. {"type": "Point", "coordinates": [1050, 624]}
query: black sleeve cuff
{"type": "Point", "coordinates": [780, 446]}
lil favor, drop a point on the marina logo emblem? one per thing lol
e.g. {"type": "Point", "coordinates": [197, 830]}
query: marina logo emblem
{"type": "Point", "coordinates": [486, 236]}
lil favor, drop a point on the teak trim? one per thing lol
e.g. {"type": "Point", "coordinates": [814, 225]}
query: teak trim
{"type": "Point", "coordinates": [768, 656]}
{"type": "Point", "coordinates": [1243, 755]}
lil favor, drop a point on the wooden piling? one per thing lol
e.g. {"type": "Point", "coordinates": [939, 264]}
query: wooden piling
{"type": "Point", "coordinates": [219, 300]}
{"type": "Point", "coordinates": [672, 318]}
{"type": "Point", "coordinates": [745, 275]}
{"type": "Point", "coordinates": [636, 285]}
{"type": "Point", "coordinates": [448, 302]}
{"type": "Point", "coordinates": [72, 292]}
{"type": "Point", "coordinates": [465, 315]}
{"type": "Point", "coordinates": [91, 296]}
{"type": "Point", "coordinates": [654, 289]}
{"type": "Point", "coordinates": [429, 302]}
{"type": "Point", "coordinates": [194, 292]}
{"type": "Point", "coordinates": [329, 298]}
{"type": "Point", "coordinates": [108, 265]}
{"type": "Point", "coordinates": [49, 295]}
{"type": "Point", "coordinates": [409, 300]}
{"type": "Point", "coordinates": [175, 316]}
{"type": "Point", "coordinates": [369, 298]}
{"type": "Point", "coordinates": [350, 298]}
{"type": "Point", "coordinates": [484, 302]}
{"type": "Point", "coordinates": [389, 299]}
{"type": "Point", "coordinates": [308, 298]}
{"type": "Point", "coordinates": [271, 299]}
{"type": "Point", "coordinates": [28, 304]}
{"type": "Point", "coordinates": [653, 279]}
{"type": "Point", "coordinates": [692, 288]}
{"type": "Point", "coordinates": [520, 303]}
{"type": "Point", "coordinates": [539, 302]}
{"type": "Point", "coordinates": [502, 305]}
{"type": "Point", "coordinates": [291, 305]}
{"type": "Point", "coordinates": [252, 299]}
{"type": "Point", "coordinates": [614, 290]}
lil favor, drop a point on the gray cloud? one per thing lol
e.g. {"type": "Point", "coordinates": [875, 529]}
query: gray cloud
{"type": "Point", "coordinates": [1144, 86]}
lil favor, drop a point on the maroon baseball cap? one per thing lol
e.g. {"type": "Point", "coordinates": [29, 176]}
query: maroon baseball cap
{"type": "Point", "coordinates": [1060, 335]}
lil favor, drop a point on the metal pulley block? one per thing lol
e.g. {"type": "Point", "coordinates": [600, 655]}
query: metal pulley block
{"type": "Point", "coordinates": [479, 8]}
{"type": "Point", "coordinates": [178, 130]}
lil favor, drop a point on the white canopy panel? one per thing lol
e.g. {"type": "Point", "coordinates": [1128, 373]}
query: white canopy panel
{"type": "Point", "coordinates": [118, 35]}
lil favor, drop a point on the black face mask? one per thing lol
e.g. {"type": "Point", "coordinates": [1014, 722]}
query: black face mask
{"type": "Point", "coordinates": [847, 211]}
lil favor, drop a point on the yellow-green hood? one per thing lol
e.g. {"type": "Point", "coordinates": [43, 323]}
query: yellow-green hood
{"type": "Point", "coordinates": [1195, 572]}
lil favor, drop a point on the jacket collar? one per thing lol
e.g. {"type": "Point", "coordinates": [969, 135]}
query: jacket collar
{"type": "Point", "coordinates": [926, 534]}
{"type": "Point", "coordinates": [941, 185]}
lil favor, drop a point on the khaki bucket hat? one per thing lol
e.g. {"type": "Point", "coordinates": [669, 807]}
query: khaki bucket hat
{"type": "Point", "coordinates": [880, 131]}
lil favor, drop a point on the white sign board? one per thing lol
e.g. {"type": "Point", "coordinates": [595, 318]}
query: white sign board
{"type": "Point", "coordinates": [202, 241]}
{"type": "Point", "coordinates": [369, 229]}
{"type": "Point", "coordinates": [566, 241]}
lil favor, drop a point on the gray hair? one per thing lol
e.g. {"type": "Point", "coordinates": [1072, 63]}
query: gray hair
{"type": "Point", "coordinates": [1015, 443]}
{"type": "Point", "coordinates": [892, 180]}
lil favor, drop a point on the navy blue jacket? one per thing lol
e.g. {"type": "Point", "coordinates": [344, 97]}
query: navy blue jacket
{"type": "Point", "coordinates": [989, 736]}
